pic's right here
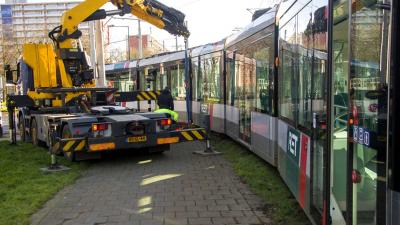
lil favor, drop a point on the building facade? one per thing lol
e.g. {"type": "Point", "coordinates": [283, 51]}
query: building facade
{"type": "Point", "coordinates": [150, 46]}
{"type": "Point", "coordinates": [30, 23]}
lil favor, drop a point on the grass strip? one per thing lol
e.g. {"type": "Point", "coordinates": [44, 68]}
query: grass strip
{"type": "Point", "coordinates": [23, 187]}
{"type": "Point", "coordinates": [265, 181]}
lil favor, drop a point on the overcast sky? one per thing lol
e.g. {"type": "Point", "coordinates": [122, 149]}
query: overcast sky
{"type": "Point", "coordinates": [208, 20]}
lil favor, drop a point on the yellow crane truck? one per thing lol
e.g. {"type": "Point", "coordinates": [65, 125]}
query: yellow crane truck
{"type": "Point", "coordinates": [59, 105]}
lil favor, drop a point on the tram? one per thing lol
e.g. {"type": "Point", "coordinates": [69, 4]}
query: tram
{"type": "Point", "coordinates": [311, 88]}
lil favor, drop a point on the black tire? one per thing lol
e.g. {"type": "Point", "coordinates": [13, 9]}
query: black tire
{"type": "Point", "coordinates": [66, 133]}
{"type": "Point", "coordinates": [21, 128]}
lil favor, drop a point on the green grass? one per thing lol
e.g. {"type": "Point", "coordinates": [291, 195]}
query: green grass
{"type": "Point", "coordinates": [265, 181]}
{"type": "Point", "coordinates": [23, 187]}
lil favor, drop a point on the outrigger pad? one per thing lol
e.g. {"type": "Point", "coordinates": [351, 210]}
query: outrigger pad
{"type": "Point", "coordinates": [55, 168]}
{"type": "Point", "coordinates": [207, 153]}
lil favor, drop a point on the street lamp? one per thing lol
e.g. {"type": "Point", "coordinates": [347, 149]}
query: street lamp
{"type": "Point", "coordinates": [139, 33]}
{"type": "Point", "coordinates": [129, 45]}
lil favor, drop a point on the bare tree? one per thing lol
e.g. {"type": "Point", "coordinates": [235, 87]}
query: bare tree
{"type": "Point", "coordinates": [115, 55]}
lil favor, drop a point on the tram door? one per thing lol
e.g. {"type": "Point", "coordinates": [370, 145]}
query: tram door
{"type": "Point", "coordinates": [340, 112]}
{"type": "Point", "coordinates": [368, 111]}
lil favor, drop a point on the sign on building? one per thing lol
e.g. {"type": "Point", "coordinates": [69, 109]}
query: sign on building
{"type": "Point", "coordinates": [6, 21]}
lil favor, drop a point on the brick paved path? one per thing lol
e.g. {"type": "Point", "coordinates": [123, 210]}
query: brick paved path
{"type": "Point", "coordinates": [173, 188]}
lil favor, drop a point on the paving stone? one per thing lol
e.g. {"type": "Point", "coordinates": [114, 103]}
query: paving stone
{"type": "Point", "coordinates": [209, 214]}
{"type": "Point", "coordinates": [129, 223]}
{"type": "Point", "coordinates": [225, 201]}
{"type": "Point", "coordinates": [180, 189]}
{"type": "Point", "coordinates": [176, 221]}
{"type": "Point", "coordinates": [200, 221]}
{"type": "Point", "coordinates": [239, 207]}
{"type": "Point", "coordinates": [248, 220]}
{"type": "Point", "coordinates": [191, 214]}
{"type": "Point", "coordinates": [196, 208]}
{"type": "Point", "coordinates": [152, 222]}
{"type": "Point", "coordinates": [163, 214]}
{"type": "Point", "coordinates": [184, 203]}
{"type": "Point", "coordinates": [232, 213]}
{"type": "Point", "coordinates": [166, 203]}
{"type": "Point", "coordinates": [194, 197]}
{"type": "Point", "coordinates": [217, 207]}
{"type": "Point", "coordinates": [175, 209]}
{"type": "Point", "coordinates": [119, 218]}
{"type": "Point", "coordinates": [206, 202]}
{"type": "Point", "coordinates": [248, 213]}
{"type": "Point", "coordinates": [223, 220]}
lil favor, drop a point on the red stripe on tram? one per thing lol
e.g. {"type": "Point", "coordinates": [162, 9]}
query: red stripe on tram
{"type": "Point", "coordinates": [303, 170]}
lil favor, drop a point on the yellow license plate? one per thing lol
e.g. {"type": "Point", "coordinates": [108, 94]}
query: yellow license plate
{"type": "Point", "coordinates": [137, 139]}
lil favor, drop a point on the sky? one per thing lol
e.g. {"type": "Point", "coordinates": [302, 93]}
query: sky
{"type": "Point", "coordinates": [208, 20]}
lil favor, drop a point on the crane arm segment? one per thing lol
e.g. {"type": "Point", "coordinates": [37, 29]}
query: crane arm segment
{"type": "Point", "coordinates": [151, 11]}
{"type": "Point", "coordinates": [72, 18]}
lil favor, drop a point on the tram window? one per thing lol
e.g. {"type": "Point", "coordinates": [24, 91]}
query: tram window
{"type": "Point", "coordinates": [302, 69]}
{"type": "Point", "coordinates": [250, 73]}
{"type": "Point", "coordinates": [216, 71]}
{"type": "Point", "coordinates": [195, 74]}
{"type": "Point", "coordinates": [200, 83]}
{"type": "Point", "coordinates": [263, 54]}
{"type": "Point", "coordinates": [305, 114]}
{"type": "Point", "coordinates": [123, 80]}
{"type": "Point", "coordinates": [158, 80]}
{"type": "Point", "coordinates": [229, 70]}
{"type": "Point", "coordinates": [249, 81]}
{"type": "Point", "coordinates": [238, 83]}
{"type": "Point", "coordinates": [305, 45]}
{"type": "Point", "coordinates": [288, 84]}
{"type": "Point", "coordinates": [230, 78]}
{"type": "Point", "coordinates": [211, 78]}
{"type": "Point", "coordinates": [142, 81]}
{"type": "Point", "coordinates": [178, 90]}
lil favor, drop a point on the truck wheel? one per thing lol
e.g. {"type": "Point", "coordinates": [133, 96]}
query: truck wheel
{"type": "Point", "coordinates": [66, 133]}
{"type": "Point", "coordinates": [21, 127]}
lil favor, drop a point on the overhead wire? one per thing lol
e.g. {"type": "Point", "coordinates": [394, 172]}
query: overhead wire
{"type": "Point", "coordinates": [261, 2]}
{"type": "Point", "coordinates": [189, 3]}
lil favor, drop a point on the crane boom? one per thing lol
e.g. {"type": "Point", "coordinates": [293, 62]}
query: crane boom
{"type": "Point", "coordinates": [151, 11]}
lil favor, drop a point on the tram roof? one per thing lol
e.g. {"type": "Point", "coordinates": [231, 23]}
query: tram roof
{"type": "Point", "coordinates": [208, 48]}
{"type": "Point", "coordinates": [121, 65]}
{"type": "Point", "coordinates": [266, 20]}
{"type": "Point", "coordinates": [165, 57]}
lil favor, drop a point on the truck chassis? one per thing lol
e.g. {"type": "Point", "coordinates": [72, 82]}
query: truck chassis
{"type": "Point", "coordinates": [85, 135]}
